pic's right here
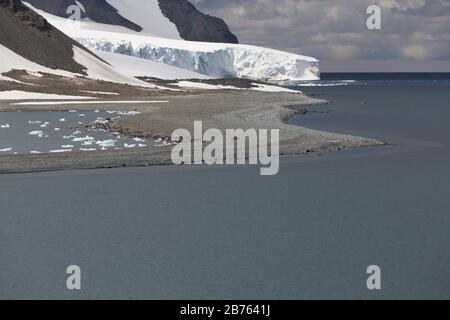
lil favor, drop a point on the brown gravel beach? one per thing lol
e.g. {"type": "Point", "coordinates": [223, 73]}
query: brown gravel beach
{"type": "Point", "coordinates": [224, 109]}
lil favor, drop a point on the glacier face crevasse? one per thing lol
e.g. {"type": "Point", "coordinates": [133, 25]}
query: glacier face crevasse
{"type": "Point", "coordinates": [230, 61]}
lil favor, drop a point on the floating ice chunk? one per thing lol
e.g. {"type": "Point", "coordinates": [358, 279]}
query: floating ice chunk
{"type": "Point", "coordinates": [5, 126]}
{"type": "Point", "coordinates": [44, 125]}
{"type": "Point", "coordinates": [141, 145]}
{"type": "Point", "coordinates": [87, 143]}
{"type": "Point", "coordinates": [57, 129]}
{"type": "Point", "coordinates": [76, 132]}
{"type": "Point", "coordinates": [101, 121]}
{"type": "Point", "coordinates": [6, 150]}
{"type": "Point", "coordinates": [62, 120]}
{"type": "Point", "coordinates": [34, 152]}
{"type": "Point", "coordinates": [81, 139]}
{"type": "Point", "coordinates": [89, 149]}
{"type": "Point", "coordinates": [67, 146]}
{"type": "Point", "coordinates": [138, 139]}
{"type": "Point", "coordinates": [34, 122]}
{"type": "Point", "coordinates": [60, 151]}
{"type": "Point", "coordinates": [73, 111]}
{"type": "Point", "coordinates": [106, 143]}
{"type": "Point", "coordinates": [128, 146]}
{"type": "Point", "coordinates": [81, 115]}
{"type": "Point", "coordinates": [37, 133]}
{"type": "Point", "coordinates": [124, 113]}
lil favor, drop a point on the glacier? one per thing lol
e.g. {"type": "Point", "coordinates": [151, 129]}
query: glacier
{"type": "Point", "coordinates": [239, 61]}
{"type": "Point", "coordinates": [216, 60]}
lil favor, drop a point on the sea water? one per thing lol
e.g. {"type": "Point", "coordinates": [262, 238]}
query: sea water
{"type": "Point", "coordinates": [228, 233]}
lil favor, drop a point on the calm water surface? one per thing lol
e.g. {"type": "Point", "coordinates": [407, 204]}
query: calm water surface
{"type": "Point", "coordinates": [39, 132]}
{"type": "Point", "coordinates": [226, 232]}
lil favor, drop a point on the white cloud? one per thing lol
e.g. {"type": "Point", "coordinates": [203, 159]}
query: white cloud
{"type": "Point", "coordinates": [336, 29]}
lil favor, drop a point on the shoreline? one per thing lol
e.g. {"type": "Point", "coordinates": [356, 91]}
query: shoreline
{"type": "Point", "coordinates": [221, 110]}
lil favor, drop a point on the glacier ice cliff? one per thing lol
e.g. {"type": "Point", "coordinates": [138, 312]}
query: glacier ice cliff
{"type": "Point", "coordinates": [229, 61]}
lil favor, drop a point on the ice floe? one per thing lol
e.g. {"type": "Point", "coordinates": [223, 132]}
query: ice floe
{"type": "Point", "coordinates": [81, 139]}
{"type": "Point", "coordinates": [60, 151]}
{"type": "Point", "coordinates": [106, 143]}
{"type": "Point", "coordinates": [39, 134]}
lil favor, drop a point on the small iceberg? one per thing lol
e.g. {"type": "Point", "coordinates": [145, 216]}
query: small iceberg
{"type": "Point", "coordinates": [82, 139]}
{"type": "Point", "coordinates": [60, 151]}
{"type": "Point", "coordinates": [106, 143]}
{"type": "Point", "coordinates": [37, 133]}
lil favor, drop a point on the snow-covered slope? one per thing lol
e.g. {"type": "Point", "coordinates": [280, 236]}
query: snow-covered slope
{"type": "Point", "coordinates": [148, 16]}
{"type": "Point", "coordinates": [99, 70]}
{"type": "Point", "coordinates": [94, 67]}
{"type": "Point", "coordinates": [212, 59]}
{"type": "Point", "coordinates": [137, 67]}
{"type": "Point", "coordinates": [174, 19]}
{"type": "Point", "coordinates": [12, 61]}
{"type": "Point", "coordinates": [29, 43]}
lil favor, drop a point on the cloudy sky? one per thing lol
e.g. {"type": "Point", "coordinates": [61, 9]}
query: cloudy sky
{"type": "Point", "coordinates": [415, 34]}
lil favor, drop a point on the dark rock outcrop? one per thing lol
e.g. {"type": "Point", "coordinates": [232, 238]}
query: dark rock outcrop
{"type": "Point", "coordinates": [192, 24]}
{"type": "Point", "coordinates": [32, 37]}
{"type": "Point", "coordinates": [97, 10]}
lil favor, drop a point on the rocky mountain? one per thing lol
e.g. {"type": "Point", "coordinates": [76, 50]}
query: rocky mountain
{"type": "Point", "coordinates": [195, 25]}
{"type": "Point", "coordinates": [97, 10]}
{"type": "Point", "coordinates": [32, 37]}
{"type": "Point", "coordinates": [30, 44]}
{"type": "Point", "coordinates": [191, 24]}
